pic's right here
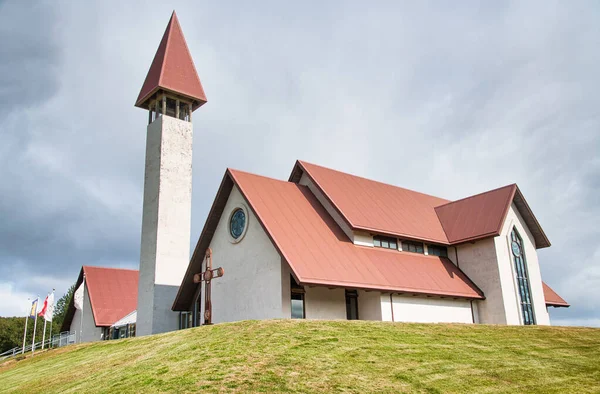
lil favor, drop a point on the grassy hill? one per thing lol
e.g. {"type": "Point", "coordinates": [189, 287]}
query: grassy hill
{"type": "Point", "coordinates": [319, 356]}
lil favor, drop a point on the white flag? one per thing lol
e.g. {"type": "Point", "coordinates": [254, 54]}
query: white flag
{"type": "Point", "coordinates": [78, 297]}
{"type": "Point", "coordinates": [50, 308]}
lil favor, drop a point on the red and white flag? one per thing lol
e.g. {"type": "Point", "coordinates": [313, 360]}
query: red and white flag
{"type": "Point", "coordinates": [47, 311]}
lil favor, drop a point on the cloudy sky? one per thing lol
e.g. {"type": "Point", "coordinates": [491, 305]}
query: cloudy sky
{"type": "Point", "coordinates": [442, 98]}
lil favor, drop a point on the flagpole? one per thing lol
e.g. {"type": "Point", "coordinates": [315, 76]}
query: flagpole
{"type": "Point", "coordinates": [26, 319]}
{"type": "Point", "coordinates": [34, 327]}
{"type": "Point", "coordinates": [82, 307]}
{"type": "Point", "coordinates": [52, 318]}
{"type": "Point", "coordinates": [45, 321]}
{"type": "Point", "coordinates": [44, 335]}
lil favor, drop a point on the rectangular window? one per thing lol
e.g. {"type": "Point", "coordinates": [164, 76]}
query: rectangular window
{"type": "Point", "coordinates": [436, 250]}
{"type": "Point", "coordinates": [132, 330]}
{"type": "Point", "coordinates": [385, 242]}
{"type": "Point", "coordinates": [414, 247]}
{"type": "Point", "coordinates": [297, 299]}
{"type": "Point", "coordinates": [185, 320]}
{"type": "Point", "coordinates": [351, 304]}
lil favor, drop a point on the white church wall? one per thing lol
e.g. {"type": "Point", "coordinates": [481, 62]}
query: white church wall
{"type": "Point", "coordinates": [324, 303]}
{"type": "Point", "coordinates": [251, 287]}
{"type": "Point", "coordinates": [286, 290]}
{"type": "Point", "coordinates": [166, 222]}
{"type": "Point", "coordinates": [425, 310]}
{"type": "Point", "coordinates": [88, 332]}
{"type": "Point", "coordinates": [508, 275]}
{"type": "Point", "coordinates": [369, 305]}
{"type": "Point", "coordinates": [478, 261]}
{"type": "Point", "coordinates": [306, 181]}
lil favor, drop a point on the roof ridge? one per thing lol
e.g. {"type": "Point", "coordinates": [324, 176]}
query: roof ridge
{"type": "Point", "coordinates": [110, 268]}
{"type": "Point", "coordinates": [476, 195]}
{"type": "Point", "coordinates": [233, 170]}
{"type": "Point", "coordinates": [168, 41]}
{"type": "Point", "coordinates": [302, 162]}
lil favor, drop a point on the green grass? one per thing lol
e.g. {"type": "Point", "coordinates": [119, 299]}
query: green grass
{"type": "Point", "coordinates": [322, 356]}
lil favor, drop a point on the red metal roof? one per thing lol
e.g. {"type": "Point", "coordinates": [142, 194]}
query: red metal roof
{"type": "Point", "coordinates": [113, 293]}
{"type": "Point", "coordinates": [378, 207]}
{"type": "Point", "coordinates": [318, 252]}
{"type": "Point", "coordinates": [172, 69]}
{"type": "Point", "coordinates": [477, 216]}
{"type": "Point", "coordinates": [552, 298]}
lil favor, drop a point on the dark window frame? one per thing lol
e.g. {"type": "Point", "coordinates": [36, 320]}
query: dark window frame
{"type": "Point", "coordinates": [380, 241]}
{"type": "Point", "coordinates": [297, 291]}
{"type": "Point", "coordinates": [351, 295]}
{"type": "Point", "coordinates": [431, 247]}
{"type": "Point", "coordinates": [406, 246]}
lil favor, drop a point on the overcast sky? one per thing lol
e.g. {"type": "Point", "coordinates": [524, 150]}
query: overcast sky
{"type": "Point", "coordinates": [445, 98]}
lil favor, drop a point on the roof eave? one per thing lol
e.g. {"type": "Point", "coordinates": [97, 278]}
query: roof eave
{"type": "Point", "coordinates": [541, 241]}
{"type": "Point", "coordinates": [557, 305]}
{"type": "Point", "coordinates": [388, 289]}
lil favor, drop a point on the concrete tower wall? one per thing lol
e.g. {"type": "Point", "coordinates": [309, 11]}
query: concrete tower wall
{"type": "Point", "coordinates": [166, 223]}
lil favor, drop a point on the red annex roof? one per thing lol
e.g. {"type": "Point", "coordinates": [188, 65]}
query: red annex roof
{"type": "Point", "coordinates": [172, 69]}
{"type": "Point", "coordinates": [318, 251]}
{"type": "Point", "coordinates": [112, 291]}
{"type": "Point", "coordinates": [476, 216]}
{"type": "Point", "coordinates": [378, 207]}
{"type": "Point", "coordinates": [552, 298]}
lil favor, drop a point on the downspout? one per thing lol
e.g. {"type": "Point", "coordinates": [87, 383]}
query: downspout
{"type": "Point", "coordinates": [456, 254]}
{"type": "Point", "coordinates": [472, 313]}
{"type": "Point", "coordinates": [392, 307]}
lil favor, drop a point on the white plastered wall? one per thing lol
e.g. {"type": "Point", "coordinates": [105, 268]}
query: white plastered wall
{"type": "Point", "coordinates": [324, 303]}
{"type": "Point", "coordinates": [507, 271]}
{"type": "Point", "coordinates": [89, 331]}
{"type": "Point", "coordinates": [479, 262]}
{"type": "Point", "coordinates": [166, 222]}
{"type": "Point", "coordinates": [251, 287]}
{"type": "Point", "coordinates": [369, 305]}
{"type": "Point", "coordinates": [425, 310]}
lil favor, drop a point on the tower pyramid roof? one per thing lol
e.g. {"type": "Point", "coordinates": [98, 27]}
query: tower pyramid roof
{"type": "Point", "coordinates": [172, 69]}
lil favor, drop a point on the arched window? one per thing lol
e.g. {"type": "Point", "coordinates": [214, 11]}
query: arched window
{"type": "Point", "coordinates": [522, 277]}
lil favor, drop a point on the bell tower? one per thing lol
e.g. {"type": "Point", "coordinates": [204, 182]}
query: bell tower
{"type": "Point", "coordinates": [170, 93]}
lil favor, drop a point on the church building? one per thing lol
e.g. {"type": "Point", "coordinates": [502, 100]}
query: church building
{"type": "Point", "coordinates": [329, 245]}
{"type": "Point", "coordinates": [323, 244]}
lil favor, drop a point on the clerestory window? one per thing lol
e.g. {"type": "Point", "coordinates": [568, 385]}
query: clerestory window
{"type": "Point", "coordinates": [414, 247]}
{"type": "Point", "coordinates": [385, 242]}
{"type": "Point", "coordinates": [436, 250]}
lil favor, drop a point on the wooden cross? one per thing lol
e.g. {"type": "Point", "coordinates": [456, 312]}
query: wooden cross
{"type": "Point", "coordinates": [207, 276]}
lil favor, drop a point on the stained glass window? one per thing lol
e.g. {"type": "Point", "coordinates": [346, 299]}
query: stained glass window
{"type": "Point", "coordinates": [238, 223]}
{"type": "Point", "coordinates": [522, 278]}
